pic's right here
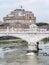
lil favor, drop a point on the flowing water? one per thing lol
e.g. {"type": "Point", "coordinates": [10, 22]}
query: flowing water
{"type": "Point", "coordinates": [17, 55]}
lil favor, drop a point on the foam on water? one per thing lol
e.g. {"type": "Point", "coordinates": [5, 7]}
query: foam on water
{"type": "Point", "coordinates": [1, 53]}
{"type": "Point", "coordinates": [4, 51]}
{"type": "Point", "coordinates": [31, 53]}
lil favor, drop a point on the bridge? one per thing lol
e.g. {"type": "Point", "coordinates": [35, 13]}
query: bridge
{"type": "Point", "coordinates": [31, 35]}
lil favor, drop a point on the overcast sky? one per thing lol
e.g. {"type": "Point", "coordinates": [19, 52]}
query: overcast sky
{"type": "Point", "coordinates": [40, 8]}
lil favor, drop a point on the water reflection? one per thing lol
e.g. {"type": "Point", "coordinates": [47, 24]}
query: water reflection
{"type": "Point", "coordinates": [22, 60]}
{"type": "Point", "coordinates": [25, 60]}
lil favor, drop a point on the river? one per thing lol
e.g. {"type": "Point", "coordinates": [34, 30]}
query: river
{"type": "Point", "coordinates": [17, 55]}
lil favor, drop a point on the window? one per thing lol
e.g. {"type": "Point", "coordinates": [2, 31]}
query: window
{"type": "Point", "coordinates": [30, 17]}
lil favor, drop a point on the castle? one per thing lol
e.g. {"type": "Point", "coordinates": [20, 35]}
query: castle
{"type": "Point", "coordinates": [19, 18]}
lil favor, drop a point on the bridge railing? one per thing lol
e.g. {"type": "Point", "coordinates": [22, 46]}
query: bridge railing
{"type": "Point", "coordinates": [23, 31]}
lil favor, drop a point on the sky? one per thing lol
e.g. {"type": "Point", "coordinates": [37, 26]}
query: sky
{"type": "Point", "coordinates": [40, 8]}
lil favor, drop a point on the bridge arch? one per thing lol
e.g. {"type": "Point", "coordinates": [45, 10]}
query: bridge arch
{"type": "Point", "coordinates": [15, 37]}
{"type": "Point", "coordinates": [42, 37]}
{"type": "Point", "coordinates": [28, 37]}
{"type": "Point", "coordinates": [8, 37]}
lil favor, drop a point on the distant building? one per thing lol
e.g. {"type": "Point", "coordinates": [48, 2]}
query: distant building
{"type": "Point", "coordinates": [19, 18]}
{"type": "Point", "coordinates": [46, 27]}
